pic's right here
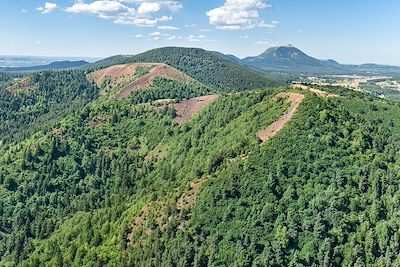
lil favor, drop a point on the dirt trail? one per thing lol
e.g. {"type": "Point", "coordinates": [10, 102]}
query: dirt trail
{"type": "Point", "coordinates": [275, 127]}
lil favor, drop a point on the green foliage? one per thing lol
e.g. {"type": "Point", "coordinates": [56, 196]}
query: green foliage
{"type": "Point", "coordinates": [102, 187]}
{"type": "Point", "coordinates": [51, 96]}
{"type": "Point", "coordinates": [162, 88]}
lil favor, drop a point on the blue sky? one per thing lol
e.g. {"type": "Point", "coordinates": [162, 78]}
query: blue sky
{"type": "Point", "coordinates": [350, 31]}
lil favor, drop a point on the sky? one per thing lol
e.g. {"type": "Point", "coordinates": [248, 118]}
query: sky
{"type": "Point", "coordinates": [349, 31]}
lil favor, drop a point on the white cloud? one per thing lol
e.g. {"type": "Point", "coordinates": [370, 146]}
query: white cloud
{"type": "Point", "coordinates": [128, 12]}
{"type": "Point", "coordinates": [239, 14]}
{"type": "Point", "coordinates": [155, 34]}
{"type": "Point", "coordinates": [168, 28]}
{"type": "Point", "coordinates": [103, 8]}
{"type": "Point", "coordinates": [147, 7]}
{"type": "Point", "coordinates": [165, 18]}
{"type": "Point", "coordinates": [172, 6]}
{"type": "Point", "coordinates": [47, 8]}
{"type": "Point", "coordinates": [24, 10]}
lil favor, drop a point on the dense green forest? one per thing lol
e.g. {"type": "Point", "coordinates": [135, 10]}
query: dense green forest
{"type": "Point", "coordinates": [115, 183]}
{"type": "Point", "coordinates": [210, 68]}
{"type": "Point", "coordinates": [162, 88]}
{"type": "Point", "coordinates": [48, 97]}
{"type": "Point", "coordinates": [7, 77]}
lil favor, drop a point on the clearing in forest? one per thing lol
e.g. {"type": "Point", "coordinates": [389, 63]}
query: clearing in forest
{"type": "Point", "coordinates": [295, 101]}
{"type": "Point", "coordinates": [185, 110]}
{"type": "Point", "coordinates": [133, 77]}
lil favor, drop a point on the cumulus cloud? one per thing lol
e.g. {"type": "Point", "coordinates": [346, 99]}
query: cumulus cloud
{"type": "Point", "coordinates": [47, 8]}
{"type": "Point", "coordinates": [147, 7]}
{"type": "Point", "coordinates": [128, 12]}
{"type": "Point", "coordinates": [105, 9]}
{"type": "Point", "coordinates": [239, 14]}
{"type": "Point", "coordinates": [172, 6]}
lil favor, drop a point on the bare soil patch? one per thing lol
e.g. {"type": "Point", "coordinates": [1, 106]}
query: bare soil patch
{"type": "Point", "coordinates": [160, 70]}
{"type": "Point", "coordinates": [186, 110]}
{"type": "Point", "coordinates": [295, 100]}
{"type": "Point", "coordinates": [116, 74]}
{"type": "Point", "coordinates": [123, 76]}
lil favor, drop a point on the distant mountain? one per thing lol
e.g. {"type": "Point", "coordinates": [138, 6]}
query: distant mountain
{"type": "Point", "coordinates": [57, 65]}
{"type": "Point", "coordinates": [292, 60]}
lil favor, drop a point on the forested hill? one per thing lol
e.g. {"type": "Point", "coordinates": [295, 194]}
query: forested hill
{"type": "Point", "coordinates": [37, 101]}
{"type": "Point", "coordinates": [210, 68]}
{"type": "Point", "coordinates": [120, 183]}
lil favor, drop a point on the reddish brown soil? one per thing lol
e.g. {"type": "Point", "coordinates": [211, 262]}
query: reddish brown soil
{"type": "Point", "coordinates": [123, 75]}
{"type": "Point", "coordinates": [275, 127]}
{"type": "Point", "coordinates": [185, 110]}
{"type": "Point", "coordinates": [160, 70]}
{"type": "Point", "coordinates": [116, 72]}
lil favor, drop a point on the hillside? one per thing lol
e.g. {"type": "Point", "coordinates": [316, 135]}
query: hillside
{"type": "Point", "coordinates": [142, 164]}
{"type": "Point", "coordinates": [119, 183]}
{"type": "Point", "coordinates": [210, 68]}
{"type": "Point", "coordinates": [120, 81]}
{"type": "Point", "coordinates": [32, 103]}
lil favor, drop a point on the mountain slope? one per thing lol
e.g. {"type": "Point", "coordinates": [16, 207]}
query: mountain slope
{"type": "Point", "coordinates": [38, 100]}
{"type": "Point", "coordinates": [125, 79]}
{"type": "Point", "coordinates": [135, 188]}
{"type": "Point", "coordinates": [212, 69]}
{"type": "Point", "coordinates": [292, 60]}
{"type": "Point", "coordinates": [143, 82]}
